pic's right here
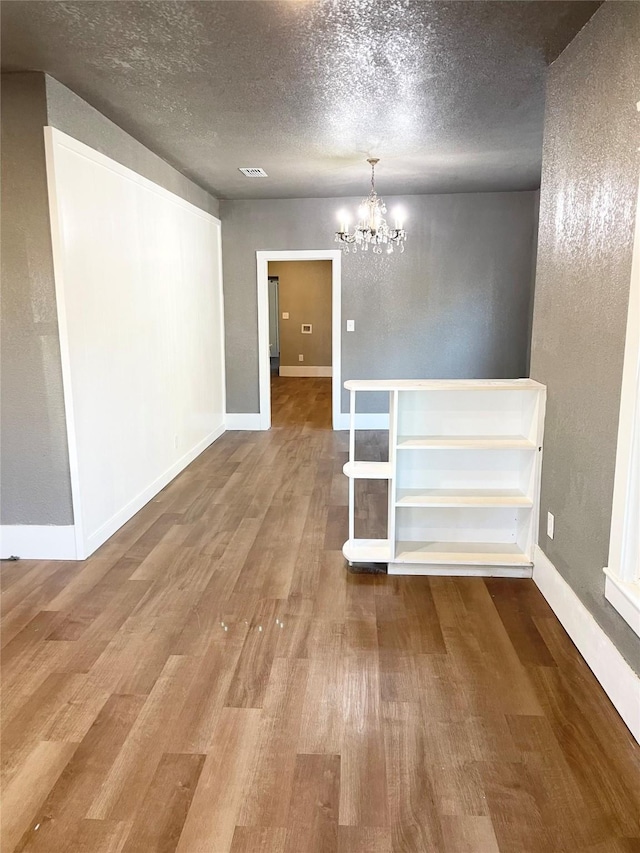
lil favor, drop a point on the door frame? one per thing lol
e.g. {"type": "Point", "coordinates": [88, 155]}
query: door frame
{"type": "Point", "coordinates": [264, 370]}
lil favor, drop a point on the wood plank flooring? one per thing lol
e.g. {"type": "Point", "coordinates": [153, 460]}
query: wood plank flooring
{"type": "Point", "coordinates": [213, 680]}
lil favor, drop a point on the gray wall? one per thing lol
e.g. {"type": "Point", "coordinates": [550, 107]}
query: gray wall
{"type": "Point", "coordinates": [70, 114]}
{"type": "Point", "coordinates": [304, 293]}
{"type": "Point", "coordinates": [587, 210]}
{"type": "Point", "coordinates": [34, 461]}
{"type": "Point", "coordinates": [456, 304]}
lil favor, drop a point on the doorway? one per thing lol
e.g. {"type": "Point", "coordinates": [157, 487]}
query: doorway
{"type": "Point", "coordinates": [302, 335]}
{"type": "Point", "coordinates": [300, 342]}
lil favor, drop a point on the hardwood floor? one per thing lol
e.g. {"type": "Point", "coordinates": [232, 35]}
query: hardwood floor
{"type": "Point", "coordinates": [213, 680]}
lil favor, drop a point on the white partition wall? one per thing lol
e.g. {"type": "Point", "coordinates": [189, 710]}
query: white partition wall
{"type": "Point", "coordinates": [139, 293]}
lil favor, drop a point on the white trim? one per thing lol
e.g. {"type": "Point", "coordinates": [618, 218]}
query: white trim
{"type": "Point", "coordinates": [85, 545]}
{"type": "Point", "coordinates": [264, 355]}
{"type": "Point", "coordinates": [623, 566]}
{"type": "Point", "coordinates": [308, 371]}
{"type": "Point", "coordinates": [618, 680]}
{"type": "Point", "coordinates": [625, 597]}
{"type": "Point", "coordinates": [51, 136]}
{"type": "Point", "coordinates": [243, 421]}
{"type": "Point", "coordinates": [116, 521]}
{"type": "Point", "coordinates": [38, 541]}
{"type": "Point", "coordinates": [264, 366]}
{"type": "Point", "coordinates": [223, 348]}
{"type": "Point", "coordinates": [364, 420]}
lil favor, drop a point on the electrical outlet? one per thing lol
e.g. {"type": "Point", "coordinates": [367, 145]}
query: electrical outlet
{"type": "Point", "coordinates": [285, 315]}
{"type": "Point", "coordinates": [551, 523]}
{"type": "Point", "coordinates": [351, 325]}
{"type": "Point", "coordinates": [300, 357]}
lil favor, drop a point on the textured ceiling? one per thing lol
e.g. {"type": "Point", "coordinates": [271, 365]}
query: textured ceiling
{"type": "Point", "coordinates": [450, 95]}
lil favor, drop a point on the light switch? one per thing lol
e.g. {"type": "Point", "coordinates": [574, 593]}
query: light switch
{"type": "Point", "coordinates": [351, 325]}
{"type": "Point", "coordinates": [551, 524]}
{"type": "Point", "coordinates": [285, 315]}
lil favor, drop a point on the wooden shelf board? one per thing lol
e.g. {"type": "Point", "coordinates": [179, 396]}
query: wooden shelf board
{"type": "Point", "coordinates": [461, 553]}
{"type": "Point", "coordinates": [460, 571]}
{"type": "Point", "coordinates": [368, 470]}
{"type": "Point", "coordinates": [462, 498]}
{"type": "Point", "coordinates": [367, 550]}
{"type": "Point", "coordinates": [465, 442]}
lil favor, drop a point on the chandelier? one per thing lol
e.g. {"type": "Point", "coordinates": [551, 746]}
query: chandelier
{"type": "Point", "coordinates": [372, 228]}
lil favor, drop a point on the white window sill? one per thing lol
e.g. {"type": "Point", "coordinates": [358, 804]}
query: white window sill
{"type": "Point", "coordinates": [625, 597]}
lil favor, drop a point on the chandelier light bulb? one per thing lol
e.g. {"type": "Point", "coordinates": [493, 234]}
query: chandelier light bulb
{"type": "Point", "coordinates": [371, 227]}
{"type": "Point", "coordinates": [344, 219]}
{"type": "Point", "coordinates": [399, 217]}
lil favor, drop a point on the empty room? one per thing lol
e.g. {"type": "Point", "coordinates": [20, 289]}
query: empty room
{"type": "Point", "coordinates": [320, 426]}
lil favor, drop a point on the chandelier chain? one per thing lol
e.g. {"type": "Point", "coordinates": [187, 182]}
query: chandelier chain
{"type": "Point", "coordinates": [373, 161]}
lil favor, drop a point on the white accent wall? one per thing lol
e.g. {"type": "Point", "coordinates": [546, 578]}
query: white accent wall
{"type": "Point", "coordinates": [139, 297]}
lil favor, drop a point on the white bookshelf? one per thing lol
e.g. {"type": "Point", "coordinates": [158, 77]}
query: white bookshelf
{"type": "Point", "coordinates": [463, 473]}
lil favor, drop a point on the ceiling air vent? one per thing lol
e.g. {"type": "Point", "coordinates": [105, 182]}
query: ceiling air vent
{"type": "Point", "coordinates": [254, 172]}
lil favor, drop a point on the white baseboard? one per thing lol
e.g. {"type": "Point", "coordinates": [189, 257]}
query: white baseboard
{"type": "Point", "coordinates": [38, 541]}
{"type": "Point", "coordinates": [244, 421]}
{"type": "Point", "coordinates": [618, 680]}
{"type": "Point", "coordinates": [364, 420]}
{"type": "Point", "coordinates": [254, 421]}
{"type": "Point", "coordinates": [95, 539]}
{"type": "Point", "coordinates": [306, 370]}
